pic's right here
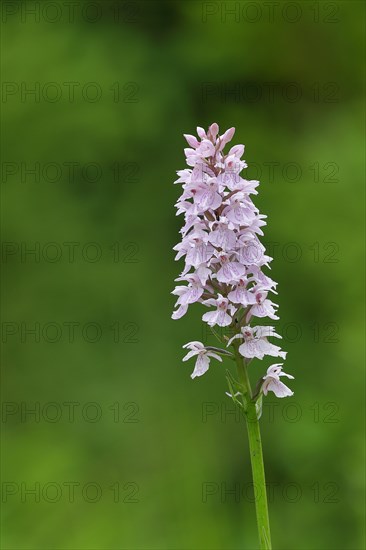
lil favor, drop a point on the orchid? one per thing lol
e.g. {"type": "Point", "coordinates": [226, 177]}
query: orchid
{"type": "Point", "coordinates": [273, 383]}
{"type": "Point", "coordinates": [256, 343]}
{"type": "Point", "coordinates": [203, 357]}
{"type": "Point", "coordinates": [219, 316]}
{"type": "Point", "coordinates": [224, 261]}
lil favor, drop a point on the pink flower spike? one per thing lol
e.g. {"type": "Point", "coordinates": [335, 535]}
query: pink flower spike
{"type": "Point", "coordinates": [224, 264]}
{"type": "Point", "coordinates": [223, 256]}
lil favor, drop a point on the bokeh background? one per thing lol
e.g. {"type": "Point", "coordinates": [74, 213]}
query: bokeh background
{"type": "Point", "coordinates": [123, 450]}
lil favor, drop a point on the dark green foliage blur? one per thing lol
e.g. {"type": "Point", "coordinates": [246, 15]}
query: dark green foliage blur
{"type": "Point", "coordinates": [123, 449]}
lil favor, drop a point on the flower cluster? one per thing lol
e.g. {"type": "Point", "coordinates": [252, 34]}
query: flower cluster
{"type": "Point", "coordinates": [223, 255]}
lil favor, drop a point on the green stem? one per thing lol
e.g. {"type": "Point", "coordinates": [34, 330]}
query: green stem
{"type": "Point", "coordinates": [259, 480]}
{"type": "Point", "coordinates": [256, 456]}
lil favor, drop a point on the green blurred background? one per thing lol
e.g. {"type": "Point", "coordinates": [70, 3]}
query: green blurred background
{"type": "Point", "coordinates": [152, 455]}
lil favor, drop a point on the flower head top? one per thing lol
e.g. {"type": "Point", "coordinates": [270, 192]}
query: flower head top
{"type": "Point", "coordinates": [222, 252]}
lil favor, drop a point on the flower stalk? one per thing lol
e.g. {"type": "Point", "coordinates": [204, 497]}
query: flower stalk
{"type": "Point", "coordinates": [259, 481]}
{"type": "Point", "coordinates": [252, 415]}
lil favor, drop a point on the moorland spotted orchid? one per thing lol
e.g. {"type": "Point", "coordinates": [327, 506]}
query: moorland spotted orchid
{"type": "Point", "coordinates": [224, 261]}
{"type": "Point", "coordinates": [223, 254]}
